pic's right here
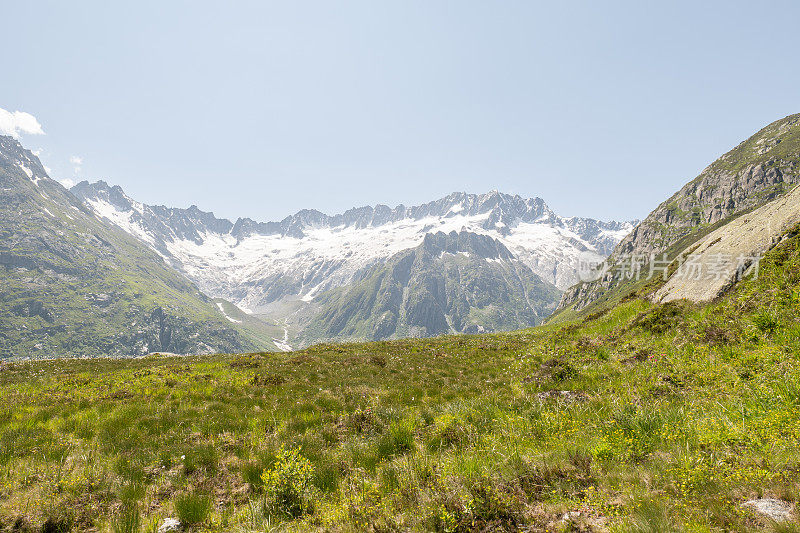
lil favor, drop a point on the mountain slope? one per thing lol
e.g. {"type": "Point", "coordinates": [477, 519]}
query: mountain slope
{"type": "Point", "coordinates": [728, 253]}
{"type": "Point", "coordinates": [451, 283]}
{"type": "Point", "coordinates": [757, 171]}
{"type": "Point", "coordinates": [74, 285]}
{"type": "Point", "coordinates": [255, 264]}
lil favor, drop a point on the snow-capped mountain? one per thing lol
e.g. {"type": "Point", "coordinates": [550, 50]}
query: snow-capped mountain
{"type": "Point", "coordinates": [254, 264]}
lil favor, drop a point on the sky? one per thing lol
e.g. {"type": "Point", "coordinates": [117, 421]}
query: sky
{"type": "Point", "coordinates": [260, 109]}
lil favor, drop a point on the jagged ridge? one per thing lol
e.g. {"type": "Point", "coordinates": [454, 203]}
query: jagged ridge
{"type": "Point", "coordinates": [255, 264]}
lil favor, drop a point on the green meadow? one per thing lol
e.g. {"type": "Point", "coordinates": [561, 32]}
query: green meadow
{"type": "Point", "coordinates": [630, 419]}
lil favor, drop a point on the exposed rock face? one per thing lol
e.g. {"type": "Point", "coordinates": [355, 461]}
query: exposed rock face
{"type": "Point", "coordinates": [760, 169]}
{"type": "Point", "coordinates": [451, 283]}
{"type": "Point", "coordinates": [74, 285]}
{"type": "Point", "coordinates": [724, 254]}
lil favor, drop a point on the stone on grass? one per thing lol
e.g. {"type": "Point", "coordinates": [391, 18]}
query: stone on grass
{"type": "Point", "coordinates": [170, 525]}
{"type": "Point", "coordinates": [777, 510]}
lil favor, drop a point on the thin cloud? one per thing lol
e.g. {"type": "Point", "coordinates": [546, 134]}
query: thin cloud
{"type": "Point", "coordinates": [66, 182]}
{"type": "Point", "coordinates": [18, 122]}
{"type": "Point", "coordinates": [76, 162]}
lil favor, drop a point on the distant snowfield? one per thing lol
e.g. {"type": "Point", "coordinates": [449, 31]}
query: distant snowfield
{"type": "Point", "coordinates": [329, 257]}
{"type": "Point", "coordinates": [258, 269]}
{"type": "Point", "coordinates": [120, 218]}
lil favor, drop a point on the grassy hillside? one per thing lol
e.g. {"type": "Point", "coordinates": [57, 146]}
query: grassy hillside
{"type": "Point", "coordinates": [638, 418]}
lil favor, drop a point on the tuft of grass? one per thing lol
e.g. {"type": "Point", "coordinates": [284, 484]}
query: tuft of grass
{"type": "Point", "coordinates": [203, 457]}
{"type": "Point", "coordinates": [766, 322]}
{"type": "Point", "coordinates": [193, 508]}
{"type": "Point", "coordinates": [128, 520]}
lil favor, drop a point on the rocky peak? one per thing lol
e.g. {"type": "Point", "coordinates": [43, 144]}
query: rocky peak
{"type": "Point", "coordinates": [473, 244]}
{"type": "Point", "coordinates": [20, 161]}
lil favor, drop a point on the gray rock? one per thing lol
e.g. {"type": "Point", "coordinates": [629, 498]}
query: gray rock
{"type": "Point", "coordinates": [776, 510]}
{"type": "Point", "coordinates": [170, 525]}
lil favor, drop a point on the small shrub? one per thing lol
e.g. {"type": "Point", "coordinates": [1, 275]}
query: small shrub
{"type": "Point", "coordinates": [494, 505]}
{"type": "Point", "coordinates": [288, 483]}
{"type": "Point", "coordinates": [556, 370]}
{"type": "Point", "coordinates": [193, 508]}
{"type": "Point", "coordinates": [661, 318]}
{"type": "Point", "coordinates": [378, 360]}
{"type": "Point", "coordinates": [363, 421]}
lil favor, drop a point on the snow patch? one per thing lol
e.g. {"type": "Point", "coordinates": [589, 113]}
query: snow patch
{"type": "Point", "coordinates": [283, 344]}
{"type": "Point", "coordinates": [120, 218]}
{"type": "Point", "coordinates": [28, 172]}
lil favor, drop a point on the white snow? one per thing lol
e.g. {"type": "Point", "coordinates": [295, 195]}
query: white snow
{"type": "Point", "coordinates": [28, 172]}
{"type": "Point", "coordinates": [283, 344]}
{"type": "Point", "coordinates": [120, 218]}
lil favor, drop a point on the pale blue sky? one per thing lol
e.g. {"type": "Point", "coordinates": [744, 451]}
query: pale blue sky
{"type": "Point", "coordinates": [260, 109]}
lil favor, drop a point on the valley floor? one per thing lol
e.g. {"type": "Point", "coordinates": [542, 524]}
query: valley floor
{"type": "Point", "coordinates": [638, 418]}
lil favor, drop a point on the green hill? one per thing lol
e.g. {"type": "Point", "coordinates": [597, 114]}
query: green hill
{"type": "Point", "coordinates": [451, 283]}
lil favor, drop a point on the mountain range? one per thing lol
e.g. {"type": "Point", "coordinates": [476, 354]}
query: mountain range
{"type": "Point", "coordinates": [91, 271]}
{"type": "Point", "coordinates": [283, 271]}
